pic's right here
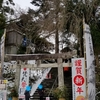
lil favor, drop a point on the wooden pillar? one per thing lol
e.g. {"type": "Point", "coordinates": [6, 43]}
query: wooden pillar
{"type": "Point", "coordinates": [60, 73]}
{"type": "Point", "coordinates": [38, 62]}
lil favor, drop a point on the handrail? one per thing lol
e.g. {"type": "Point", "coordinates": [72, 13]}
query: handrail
{"type": "Point", "coordinates": [53, 86]}
{"type": "Point", "coordinates": [35, 86]}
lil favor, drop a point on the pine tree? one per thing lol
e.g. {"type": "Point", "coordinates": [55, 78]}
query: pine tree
{"type": "Point", "coordinates": [4, 10]}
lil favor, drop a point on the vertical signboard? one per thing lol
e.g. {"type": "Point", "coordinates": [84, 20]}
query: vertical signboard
{"type": "Point", "coordinates": [78, 79]}
{"type": "Point", "coordinates": [90, 63]}
{"type": "Point", "coordinates": [3, 89]}
{"type": "Point", "coordinates": [24, 81]}
{"type": "Point", "coordinates": [3, 94]}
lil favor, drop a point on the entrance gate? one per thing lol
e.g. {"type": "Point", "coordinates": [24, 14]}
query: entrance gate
{"type": "Point", "coordinates": [38, 57]}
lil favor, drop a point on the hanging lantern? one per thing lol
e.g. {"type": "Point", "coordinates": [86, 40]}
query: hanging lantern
{"type": "Point", "coordinates": [47, 76]}
{"type": "Point", "coordinates": [50, 76]}
{"type": "Point", "coordinates": [66, 68]}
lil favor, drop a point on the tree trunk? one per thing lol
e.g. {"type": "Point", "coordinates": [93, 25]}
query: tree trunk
{"type": "Point", "coordinates": [81, 43]}
{"type": "Point", "coordinates": [57, 41]}
{"type": "Point", "coordinates": [60, 68]}
{"type": "Point", "coordinates": [97, 60]}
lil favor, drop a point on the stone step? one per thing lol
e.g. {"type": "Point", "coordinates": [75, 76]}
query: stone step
{"type": "Point", "coordinates": [37, 98]}
{"type": "Point", "coordinates": [48, 83]}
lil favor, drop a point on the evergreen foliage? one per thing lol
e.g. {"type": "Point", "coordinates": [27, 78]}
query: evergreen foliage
{"type": "Point", "coordinates": [1, 33]}
{"type": "Point", "coordinates": [61, 92]}
{"type": "Point", "coordinates": [95, 31]}
{"type": "Point", "coordinates": [4, 9]}
{"type": "Point", "coordinates": [75, 12]}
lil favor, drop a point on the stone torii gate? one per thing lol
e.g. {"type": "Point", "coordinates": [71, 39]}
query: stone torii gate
{"type": "Point", "coordinates": [38, 57]}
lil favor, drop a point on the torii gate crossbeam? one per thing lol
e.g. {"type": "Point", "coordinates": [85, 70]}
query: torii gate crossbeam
{"type": "Point", "coordinates": [38, 56]}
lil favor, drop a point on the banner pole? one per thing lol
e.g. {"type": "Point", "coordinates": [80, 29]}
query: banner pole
{"type": "Point", "coordinates": [85, 59]}
{"type": "Point", "coordinates": [2, 53]}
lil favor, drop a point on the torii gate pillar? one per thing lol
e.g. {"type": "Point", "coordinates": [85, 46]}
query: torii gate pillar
{"type": "Point", "coordinates": [60, 73]}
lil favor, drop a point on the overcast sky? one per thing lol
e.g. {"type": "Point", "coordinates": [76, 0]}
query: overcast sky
{"type": "Point", "coordinates": [24, 4]}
